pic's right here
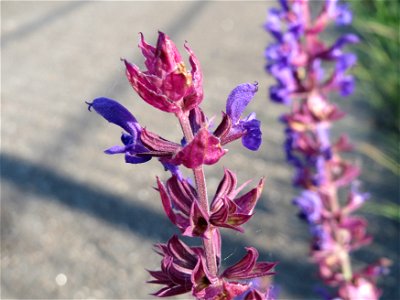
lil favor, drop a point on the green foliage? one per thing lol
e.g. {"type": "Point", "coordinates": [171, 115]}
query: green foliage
{"type": "Point", "coordinates": [386, 209]}
{"type": "Point", "coordinates": [377, 23]}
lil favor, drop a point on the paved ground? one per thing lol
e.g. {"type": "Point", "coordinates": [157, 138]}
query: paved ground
{"type": "Point", "coordinates": [76, 223]}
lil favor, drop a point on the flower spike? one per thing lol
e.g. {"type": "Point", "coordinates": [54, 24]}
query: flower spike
{"type": "Point", "coordinates": [167, 85]}
{"type": "Point", "coordinates": [297, 60]}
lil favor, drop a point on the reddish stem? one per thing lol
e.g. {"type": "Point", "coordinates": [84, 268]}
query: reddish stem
{"type": "Point", "coordinates": [203, 197]}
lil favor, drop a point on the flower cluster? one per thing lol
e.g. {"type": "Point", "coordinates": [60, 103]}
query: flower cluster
{"type": "Point", "coordinates": [299, 52]}
{"type": "Point", "coordinates": [170, 87]}
{"type": "Point", "coordinates": [307, 70]}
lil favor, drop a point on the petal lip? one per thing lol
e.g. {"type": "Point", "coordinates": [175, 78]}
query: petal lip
{"type": "Point", "coordinates": [252, 139]}
{"type": "Point", "coordinates": [239, 98]}
{"type": "Point", "coordinates": [115, 113]}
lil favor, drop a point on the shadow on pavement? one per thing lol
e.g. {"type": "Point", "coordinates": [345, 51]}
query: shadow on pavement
{"type": "Point", "coordinates": [118, 211]}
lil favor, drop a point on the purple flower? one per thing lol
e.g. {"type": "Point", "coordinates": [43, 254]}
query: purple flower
{"type": "Point", "coordinates": [335, 51]}
{"type": "Point", "coordinates": [322, 240]}
{"type": "Point", "coordinates": [248, 128]}
{"type": "Point", "coordinates": [112, 111]}
{"type": "Point", "coordinates": [252, 138]}
{"type": "Point", "coordinates": [310, 205]}
{"type": "Point", "coordinates": [355, 198]}
{"type": "Point", "coordinates": [140, 145]}
{"type": "Point", "coordinates": [346, 85]}
{"type": "Point", "coordinates": [320, 166]}
{"type": "Point", "coordinates": [284, 75]}
{"type": "Point", "coordinates": [274, 22]}
{"type": "Point", "coordinates": [288, 20]}
{"type": "Point", "coordinates": [280, 94]}
{"type": "Point", "coordinates": [287, 83]}
{"type": "Point", "coordinates": [289, 146]}
{"type": "Point", "coordinates": [340, 80]}
{"type": "Point", "coordinates": [340, 13]}
{"type": "Point", "coordinates": [307, 155]}
{"type": "Point", "coordinates": [345, 62]}
{"type": "Point", "coordinates": [287, 51]}
{"type": "Point", "coordinates": [322, 130]}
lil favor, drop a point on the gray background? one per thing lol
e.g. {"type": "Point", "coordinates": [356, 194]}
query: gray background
{"type": "Point", "coordinates": [69, 209]}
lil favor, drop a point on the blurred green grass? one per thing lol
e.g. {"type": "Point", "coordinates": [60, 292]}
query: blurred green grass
{"type": "Point", "coordinates": [383, 208]}
{"type": "Point", "coordinates": [377, 23]}
{"type": "Point", "coordinates": [378, 74]}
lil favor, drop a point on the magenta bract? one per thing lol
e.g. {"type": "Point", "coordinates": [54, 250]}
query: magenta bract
{"type": "Point", "coordinates": [180, 204]}
{"type": "Point", "coordinates": [178, 263]}
{"type": "Point", "coordinates": [248, 267]}
{"type": "Point", "coordinates": [205, 148]}
{"type": "Point", "coordinates": [228, 211]}
{"type": "Point", "coordinates": [166, 84]}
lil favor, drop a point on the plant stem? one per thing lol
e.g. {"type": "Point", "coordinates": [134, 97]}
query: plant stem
{"type": "Point", "coordinates": [203, 197]}
{"type": "Point", "coordinates": [334, 224]}
{"type": "Point", "coordinates": [334, 205]}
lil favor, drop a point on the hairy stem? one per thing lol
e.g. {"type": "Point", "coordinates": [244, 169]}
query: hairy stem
{"type": "Point", "coordinates": [203, 197]}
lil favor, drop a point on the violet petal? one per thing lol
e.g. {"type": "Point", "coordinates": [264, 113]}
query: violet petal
{"type": "Point", "coordinates": [239, 98]}
{"type": "Point", "coordinates": [116, 113]}
{"type": "Point", "coordinates": [252, 138]}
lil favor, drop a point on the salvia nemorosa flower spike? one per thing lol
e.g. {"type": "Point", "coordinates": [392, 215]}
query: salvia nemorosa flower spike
{"type": "Point", "coordinates": [168, 86]}
{"type": "Point", "coordinates": [289, 56]}
{"type": "Point", "coordinates": [296, 60]}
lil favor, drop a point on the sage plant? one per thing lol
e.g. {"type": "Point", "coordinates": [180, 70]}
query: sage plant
{"type": "Point", "coordinates": [168, 86]}
{"type": "Point", "coordinates": [307, 71]}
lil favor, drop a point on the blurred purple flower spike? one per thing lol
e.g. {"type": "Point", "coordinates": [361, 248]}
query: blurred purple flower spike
{"type": "Point", "coordinates": [298, 59]}
{"type": "Point", "coordinates": [310, 206]}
